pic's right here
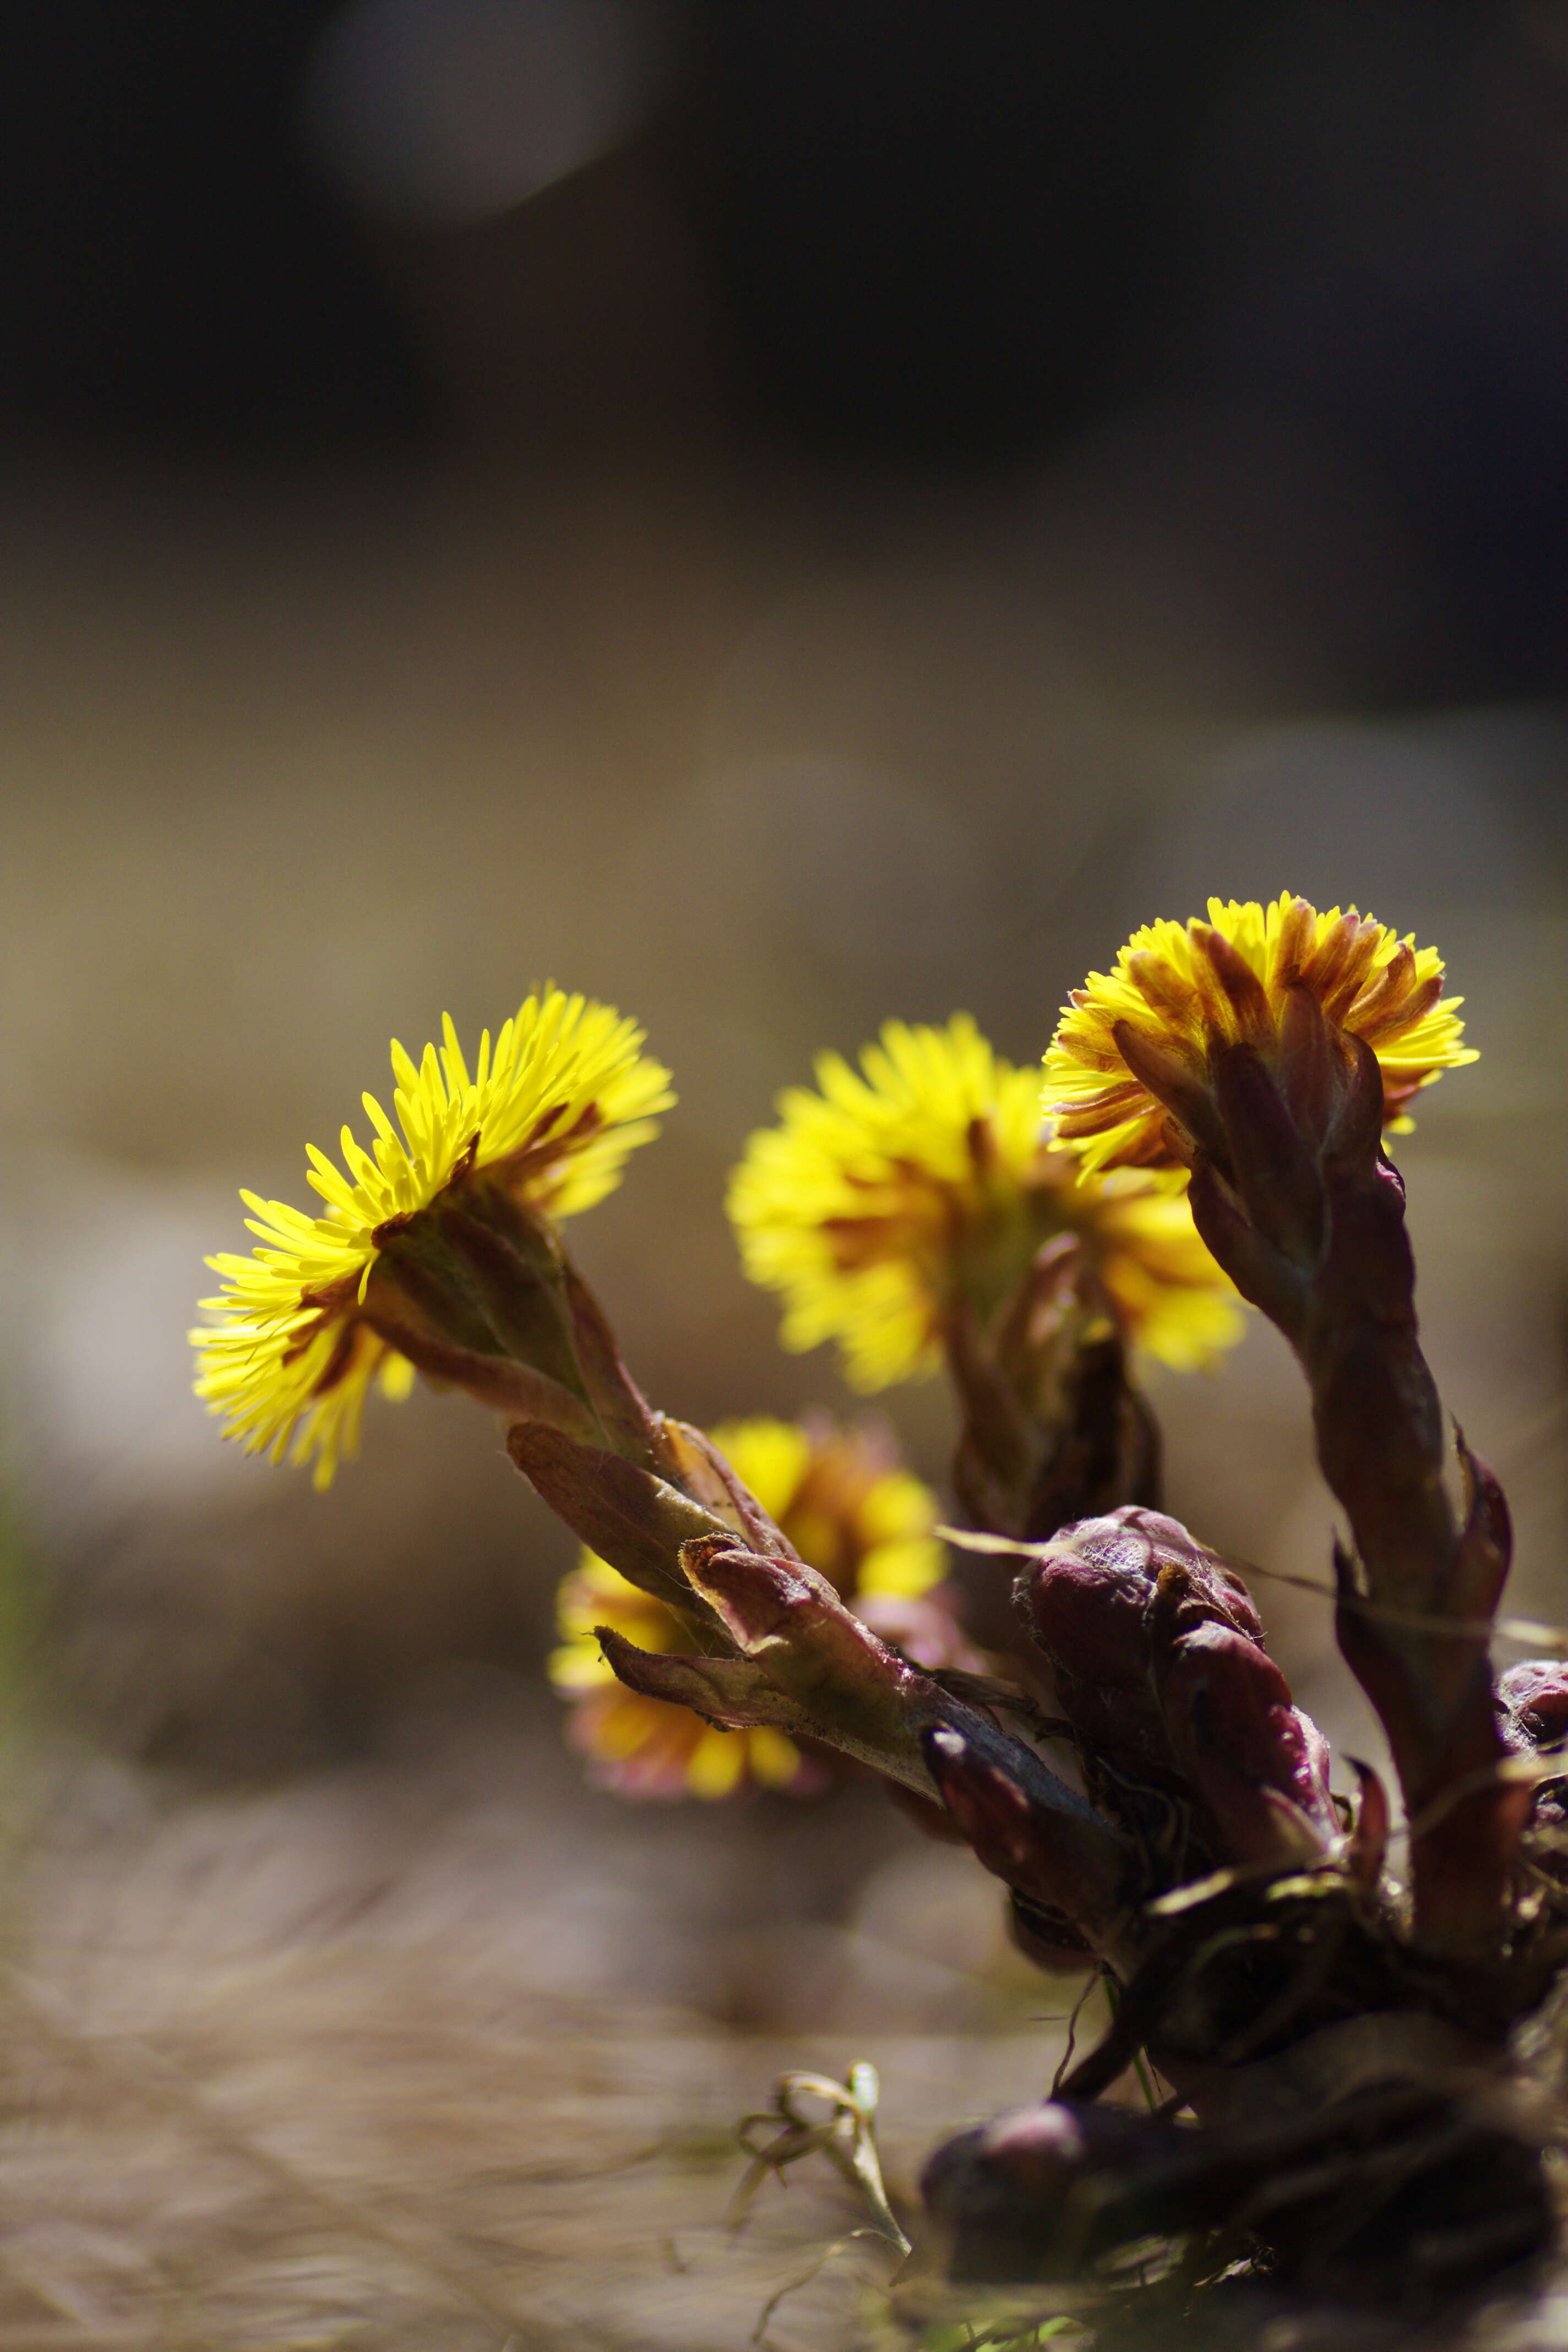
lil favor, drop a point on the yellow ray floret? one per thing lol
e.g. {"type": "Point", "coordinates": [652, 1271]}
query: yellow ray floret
{"type": "Point", "coordinates": [850, 1509]}
{"type": "Point", "coordinates": [550, 1111]}
{"type": "Point", "coordinates": [927, 1177]}
{"type": "Point", "coordinates": [1166, 989]}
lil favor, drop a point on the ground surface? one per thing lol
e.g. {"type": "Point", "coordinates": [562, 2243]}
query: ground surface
{"type": "Point", "coordinates": [278, 2071]}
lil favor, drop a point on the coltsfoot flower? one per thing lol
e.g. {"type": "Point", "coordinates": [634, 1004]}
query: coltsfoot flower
{"type": "Point", "coordinates": [852, 1511]}
{"type": "Point", "coordinates": [1182, 992]}
{"type": "Point", "coordinates": [926, 1178]}
{"type": "Point", "coordinates": [547, 1116]}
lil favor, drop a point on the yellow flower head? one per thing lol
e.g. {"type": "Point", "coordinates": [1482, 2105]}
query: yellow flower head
{"type": "Point", "coordinates": [1181, 992]}
{"type": "Point", "coordinates": [926, 1177]}
{"type": "Point", "coordinates": [847, 1505]}
{"type": "Point", "coordinates": [549, 1112]}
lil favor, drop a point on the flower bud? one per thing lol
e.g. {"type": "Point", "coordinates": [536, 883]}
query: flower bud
{"type": "Point", "coordinates": [1040, 2190]}
{"type": "Point", "coordinates": [1160, 1669]}
{"type": "Point", "coordinates": [1260, 1766]}
{"type": "Point", "coordinates": [1086, 1599]}
{"type": "Point", "coordinates": [1534, 1696]}
{"type": "Point", "coordinates": [1403, 2191]}
{"type": "Point", "coordinates": [1534, 1700]}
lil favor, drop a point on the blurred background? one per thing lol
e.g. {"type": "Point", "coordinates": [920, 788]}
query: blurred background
{"type": "Point", "coordinates": [776, 515]}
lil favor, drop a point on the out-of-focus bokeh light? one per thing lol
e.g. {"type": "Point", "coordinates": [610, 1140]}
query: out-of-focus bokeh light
{"type": "Point", "coordinates": [450, 110]}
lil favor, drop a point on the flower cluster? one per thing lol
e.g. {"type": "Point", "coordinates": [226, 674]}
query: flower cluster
{"type": "Point", "coordinates": [1212, 1120]}
{"type": "Point", "coordinates": [842, 1500]}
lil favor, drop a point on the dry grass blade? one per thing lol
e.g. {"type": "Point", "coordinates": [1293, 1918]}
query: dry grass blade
{"type": "Point", "coordinates": [846, 2136]}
